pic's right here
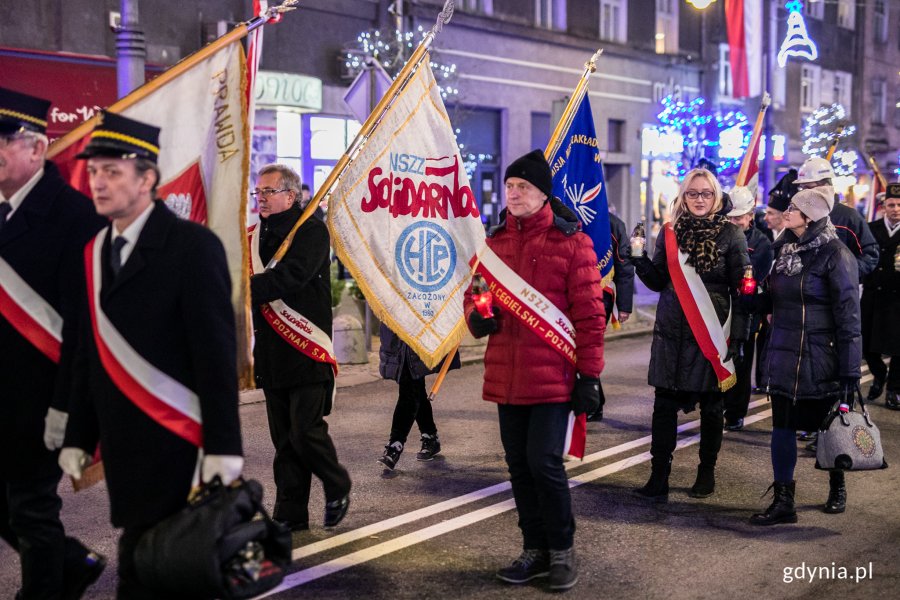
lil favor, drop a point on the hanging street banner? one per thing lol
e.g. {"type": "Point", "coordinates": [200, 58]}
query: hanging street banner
{"type": "Point", "coordinates": [578, 182]}
{"type": "Point", "coordinates": [405, 221]}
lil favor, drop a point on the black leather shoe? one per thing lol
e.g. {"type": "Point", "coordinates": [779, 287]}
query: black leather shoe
{"type": "Point", "coordinates": [596, 416]}
{"type": "Point", "coordinates": [892, 400]}
{"type": "Point", "coordinates": [336, 511]}
{"type": "Point", "coordinates": [875, 390]}
{"type": "Point", "coordinates": [293, 525]}
{"type": "Point", "coordinates": [93, 566]}
{"type": "Point", "coordinates": [735, 425]}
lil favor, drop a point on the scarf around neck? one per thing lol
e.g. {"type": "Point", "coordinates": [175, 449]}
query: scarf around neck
{"type": "Point", "coordinates": [789, 262]}
{"type": "Point", "coordinates": [696, 237]}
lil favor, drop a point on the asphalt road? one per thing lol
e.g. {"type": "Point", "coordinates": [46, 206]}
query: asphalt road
{"type": "Point", "coordinates": [441, 529]}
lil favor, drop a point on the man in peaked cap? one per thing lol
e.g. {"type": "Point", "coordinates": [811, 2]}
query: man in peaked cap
{"type": "Point", "coordinates": [880, 303]}
{"type": "Point", "coordinates": [44, 224]}
{"type": "Point", "coordinates": [158, 308]}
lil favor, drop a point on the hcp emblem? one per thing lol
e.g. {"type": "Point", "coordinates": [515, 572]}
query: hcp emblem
{"type": "Point", "coordinates": [426, 256]}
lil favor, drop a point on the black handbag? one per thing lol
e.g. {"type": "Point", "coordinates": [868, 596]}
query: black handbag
{"type": "Point", "coordinates": [849, 440]}
{"type": "Point", "coordinates": [222, 545]}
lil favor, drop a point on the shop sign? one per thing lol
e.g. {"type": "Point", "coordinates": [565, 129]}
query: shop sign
{"type": "Point", "coordinates": [274, 89]}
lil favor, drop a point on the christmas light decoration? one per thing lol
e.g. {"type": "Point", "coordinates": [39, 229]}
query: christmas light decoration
{"type": "Point", "coordinates": [797, 41]}
{"type": "Point", "coordinates": [821, 128]}
{"type": "Point", "coordinates": [392, 49]}
{"type": "Point", "coordinates": [720, 137]}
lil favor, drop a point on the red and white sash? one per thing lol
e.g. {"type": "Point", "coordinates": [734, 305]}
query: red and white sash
{"type": "Point", "coordinates": [700, 312]}
{"type": "Point", "coordinates": [302, 334]}
{"type": "Point", "coordinates": [29, 313]}
{"type": "Point", "coordinates": [159, 396]}
{"type": "Point", "coordinates": [538, 314]}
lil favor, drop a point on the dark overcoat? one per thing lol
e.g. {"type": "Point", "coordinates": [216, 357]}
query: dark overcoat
{"type": "Point", "coordinates": [302, 279]}
{"type": "Point", "coordinates": [676, 361]}
{"type": "Point", "coordinates": [881, 296]}
{"type": "Point", "coordinates": [814, 336]}
{"type": "Point", "coordinates": [42, 242]}
{"type": "Point", "coordinates": [172, 303]}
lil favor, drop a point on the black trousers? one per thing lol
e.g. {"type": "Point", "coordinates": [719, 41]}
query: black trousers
{"type": "Point", "coordinates": [664, 429]}
{"type": "Point", "coordinates": [881, 372]}
{"type": "Point", "coordinates": [303, 448]}
{"type": "Point", "coordinates": [533, 438]}
{"type": "Point", "coordinates": [129, 586]}
{"type": "Point", "coordinates": [412, 407]}
{"type": "Point", "coordinates": [737, 399]}
{"type": "Point", "coordinates": [29, 523]}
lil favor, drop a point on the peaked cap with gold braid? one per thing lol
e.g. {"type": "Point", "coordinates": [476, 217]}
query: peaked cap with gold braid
{"type": "Point", "coordinates": [120, 137]}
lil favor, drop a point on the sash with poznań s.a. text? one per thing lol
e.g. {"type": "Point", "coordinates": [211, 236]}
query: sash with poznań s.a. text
{"type": "Point", "coordinates": [302, 334]}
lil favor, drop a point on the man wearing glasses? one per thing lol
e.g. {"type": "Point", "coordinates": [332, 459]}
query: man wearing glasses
{"type": "Point", "coordinates": [293, 359]}
{"type": "Point", "coordinates": [44, 224]}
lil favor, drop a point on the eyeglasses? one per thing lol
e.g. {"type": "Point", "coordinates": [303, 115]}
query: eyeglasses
{"type": "Point", "coordinates": [265, 193]}
{"type": "Point", "coordinates": [694, 194]}
{"type": "Point", "coordinates": [791, 208]}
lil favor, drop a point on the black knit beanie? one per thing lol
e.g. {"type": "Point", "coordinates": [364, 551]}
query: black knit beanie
{"type": "Point", "coordinates": [534, 169]}
{"type": "Point", "coordinates": [781, 194]}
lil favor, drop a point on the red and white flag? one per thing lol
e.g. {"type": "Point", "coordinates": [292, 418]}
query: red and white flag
{"type": "Point", "coordinates": [743, 21]}
{"type": "Point", "coordinates": [204, 157]}
{"type": "Point", "coordinates": [879, 186]}
{"type": "Point", "coordinates": [405, 222]}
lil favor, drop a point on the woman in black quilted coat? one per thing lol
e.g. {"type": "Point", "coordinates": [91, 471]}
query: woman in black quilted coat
{"type": "Point", "coordinates": [682, 376]}
{"type": "Point", "coordinates": [814, 350]}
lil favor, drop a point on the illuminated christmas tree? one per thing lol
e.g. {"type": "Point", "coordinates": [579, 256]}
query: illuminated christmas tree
{"type": "Point", "coordinates": [825, 125]}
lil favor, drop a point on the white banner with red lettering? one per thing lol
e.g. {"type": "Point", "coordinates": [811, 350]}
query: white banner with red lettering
{"type": "Point", "coordinates": [405, 222]}
{"type": "Point", "coordinates": [204, 153]}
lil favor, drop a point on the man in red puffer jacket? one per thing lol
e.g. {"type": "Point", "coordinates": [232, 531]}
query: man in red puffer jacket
{"type": "Point", "coordinates": [534, 382]}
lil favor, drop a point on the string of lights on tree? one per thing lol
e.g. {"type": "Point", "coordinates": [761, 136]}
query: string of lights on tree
{"type": "Point", "coordinates": [391, 49]}
{"type": "Point", "coordinates": [720, 137]}
{"type": "Point", "coordinates": [821, 128]}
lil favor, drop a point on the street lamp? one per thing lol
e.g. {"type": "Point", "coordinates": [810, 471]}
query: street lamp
{"type": "Point", "coordinates": [700, 4]}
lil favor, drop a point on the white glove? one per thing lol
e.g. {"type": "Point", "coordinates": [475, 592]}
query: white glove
{"type": "Point", "coordinates": [55, 428]}
{"type": "Point", "coordinates": [73, 461]}
{"type": "Point", "coordinates": [228, 468]}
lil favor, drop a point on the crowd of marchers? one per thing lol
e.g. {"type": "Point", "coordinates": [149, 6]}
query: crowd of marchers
{"type": "Point", "coordinates": [117, 331]}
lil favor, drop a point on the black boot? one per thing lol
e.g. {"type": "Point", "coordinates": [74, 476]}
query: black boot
{"type": "Point", "coordinates": [782, 508]}
{"type": "Point", "coordinates": [705, 484]}
{"type": "Point", "coordinates": [657, 487]}
{"type": "Point", "coordinates": [837, 493]}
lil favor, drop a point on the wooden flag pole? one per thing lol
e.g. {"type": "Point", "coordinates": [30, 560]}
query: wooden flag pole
{"type": "Point", "coordinates": [367, 128]}
{"type": "Point", "coordinates": [569, 113]}
{"type": "Point", "coordinates": [834, 142]}
{"type": "Point", "coordinates": [555, 140]}
{"type": "Point", "coordinates": [741, 179]}
{"type": "Point", "coordinates": [876, 176]}
{"type": "Point", "coordinates": [236, 34]}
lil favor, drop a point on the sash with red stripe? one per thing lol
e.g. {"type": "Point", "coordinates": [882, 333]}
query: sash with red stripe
{"type": "Point", "coordinates": [538, 314]}
{"type": "Point", "coordinates": [302, 334]}
{"type": "Point", "coordinates": [159, 396]}
{"type": "Point", "coordinates": [29, 313]}
{"type": "Point", "coordinates": [699, 311]}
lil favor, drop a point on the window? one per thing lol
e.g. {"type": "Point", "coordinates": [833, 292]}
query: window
{"type": "Point", "coordinates": [809, 87]}
{"type": "Point", "coordinates": [846, 16]}
{"type": "Point", "coordinates": [327, 137]}
{"type": "Point", "coordinates": [814, 8]}
{"type": "Point", "coordinates": [615, 135]}
{"type": "Point", "coordinates": [612, 20]}
{"type": "Point", "coordinates": [843, 90]}
{"type": "Point", "coordinates": [879, 101]}
{"type": "Point", "coordinates": [478, 6]}
{"type": "Point", "coordinates": [550, 14]}
{"type": "Point", "coordinates": [666, 26]}
{"type": "Point", "coordinates": [725, 80]}
{"type": "Point", "coordinates": [880, 21]}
